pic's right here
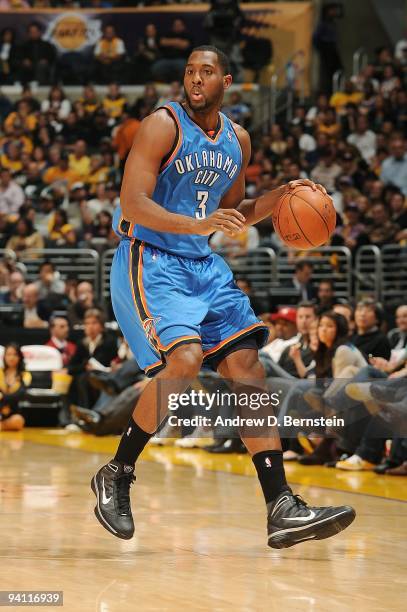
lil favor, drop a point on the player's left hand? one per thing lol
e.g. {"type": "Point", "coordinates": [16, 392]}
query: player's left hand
{"type": "Point", "coordinates": [306, 183]}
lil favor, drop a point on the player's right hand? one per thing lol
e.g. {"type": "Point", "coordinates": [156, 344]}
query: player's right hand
{"type": "Point", "coordinates": [227, 220]}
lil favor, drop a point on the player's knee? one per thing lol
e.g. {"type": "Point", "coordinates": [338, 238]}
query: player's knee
{"type": "Point", "coordinates": [253, 371]}
{"type": "Point", "coordinates": [186, 361]}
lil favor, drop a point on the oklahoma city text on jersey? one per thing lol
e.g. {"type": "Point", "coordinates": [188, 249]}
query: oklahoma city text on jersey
{"type": "Point", "coordinates": [206, 160]}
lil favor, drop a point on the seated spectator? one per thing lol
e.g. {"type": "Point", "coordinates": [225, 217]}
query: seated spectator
{"type": "Point", "coordinates": [175, 48]}
{"type": "Point", "coordinates": [11, 194]}
{"type": "Point", "coordinates": [363, 139]}
{"type": "Point", "coordinates": [285, 334]}
{"type": "Point", "coordinates": [237, 110]}
{"type": "Point", "coordinates": [85, 300]}
{"type": "Point", "coordinates": [110, 52]}
{"type": "Point", "coordinates": [390, 81]}
{"type": "Point", "coordinates": [16, 284]}
{"type": "Point", "coordinates": [325, 296]}
{"type": "Point", "coordinates": [79, 161]}
{"type": "Point", "coordinates": [302, 280]}
{"type": "Point", "coordinates": [23, 115]}
{"type": "Point", "coordinates": [58, 228]}
{"type": "Point", "coordinates": [57, 103]}
{"type": "Point", "coordinates": [14, 381]}
{"type": "Point", "coordinates": [7, 55]}
{"type": "Point", "coordinates": [96, 351]}
{"type": "Point", "coordinates": [327, 123]}
{"type": "Point", "coordinates": [397, 336]}
{"type": "Point", "coordinates": [327, 170]}
{"type": "Point", "coordinates": [98, 173]}
{"type": "Point", "coordinates": [61, 172]}
{"type": "Point", "coordinates": [298, 359]}
{"type": "Point", "coordinates": [36, 313]}
{"type": "Point", "coordinates": [146, 104]}
{"type": "Point", "coordinates": [11, 157]}
{"type": "Point", "coordinates": [114, 103]}
{"type": "Point", "coordinates": [278, 144]}
{"type": "Point", "coordinates": [88, 101]}
{"type": "Point", "coordinates": [341, 98]}
{"type": "Point", "coordinates": [32, 180]}
{"type": "Point", "coordinates": [346, 310]}
{"type": "Point", "coordinates": [49, 281]}
{"type": "Point", "coordinates": [335, 358]}
{"type": "Point", "coordinates": [368, 337]}
{"type": "Point", "coordinates": [59, 332]}
{"type": "Point", "coordinates": [147, 52]}
{"type": "Point", "coordinates": [25, 238]}
{"type": "Point", "coordinates": [394, 168]}
{"type": "Point", "coordinates": [398, 209]}
{"type": "Point", "coordinates": [321, 105]}
{"type": "Point", "coordinates": [351, 233]}
{"type": "Point", "coordinates": [99, 131]}
{"type": "Point", "coordinates": [102, 226]}
{"type": "Point", "coordinates": [124, 135]}
{"type": "Point", "coordinates": [36, 57]}
{"type": "Point", "coordinates": [381, 230]}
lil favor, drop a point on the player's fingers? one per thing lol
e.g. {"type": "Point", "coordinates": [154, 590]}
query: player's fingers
{"type": "Point", "coordinates": [321, 188]}
{"type": "Point", "coordinates": [230, 219]}
{"type": "Point", "coordinates": [300, 183]}
{"type": "Point", "coordinates": [231, 226]}
{"type": "Point", "coordinates": [231, 212]}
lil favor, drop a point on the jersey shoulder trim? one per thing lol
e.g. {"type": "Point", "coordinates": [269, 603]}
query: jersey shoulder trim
{"type": "Point", "coordinates": [238, 141]}
{"type": "Point", "coordinates": [178, 137]}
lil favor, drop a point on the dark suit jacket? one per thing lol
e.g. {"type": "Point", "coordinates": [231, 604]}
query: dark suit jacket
{"type": "Point", "coordinates": [309, 288]}
{"type": "Point", "coordinates": [394, 336]}
{"type": "Point", "coordinates": [105, 352]}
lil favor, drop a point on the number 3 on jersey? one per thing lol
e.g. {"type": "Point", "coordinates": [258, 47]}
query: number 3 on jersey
{"type": "Point", "coordinates": [202, 198]}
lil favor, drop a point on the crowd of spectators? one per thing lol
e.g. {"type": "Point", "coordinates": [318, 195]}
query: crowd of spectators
{"type": "Point", "coordinates": [159, 54]}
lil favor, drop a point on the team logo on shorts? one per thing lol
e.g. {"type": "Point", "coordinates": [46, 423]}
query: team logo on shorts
{"type": "Point", "coordinates": [150, 330]}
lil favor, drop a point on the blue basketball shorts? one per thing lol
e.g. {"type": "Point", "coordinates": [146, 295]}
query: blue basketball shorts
{"type": "Point", "coordinates": [162, 301]}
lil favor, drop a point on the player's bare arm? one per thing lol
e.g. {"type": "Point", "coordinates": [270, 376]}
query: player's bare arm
{"type": "Point", "coordinates": [152, 143]}
{"type": "Point", "coordinates": [257, 209]}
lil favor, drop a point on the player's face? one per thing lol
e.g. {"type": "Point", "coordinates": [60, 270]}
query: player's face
{"type": "Point", "coordinates": [204, 81]}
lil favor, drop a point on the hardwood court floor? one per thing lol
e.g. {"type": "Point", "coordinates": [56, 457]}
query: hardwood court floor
{"type": "Point", "coordinates": [200, 540]}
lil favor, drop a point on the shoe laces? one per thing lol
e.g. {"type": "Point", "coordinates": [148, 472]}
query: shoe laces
{"type": "Point", "coordinates": [300, 502]}
{"type": "Point", "coordinates": [123, 492]}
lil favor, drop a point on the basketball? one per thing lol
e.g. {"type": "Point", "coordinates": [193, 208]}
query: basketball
{"type": "Point", "coordinates": [304, 218]}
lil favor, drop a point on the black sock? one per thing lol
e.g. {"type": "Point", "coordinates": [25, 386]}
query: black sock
{"type": "Point", "coordinates": [270, 471]}
{"type": "Point", "coordinates": [132, 443]}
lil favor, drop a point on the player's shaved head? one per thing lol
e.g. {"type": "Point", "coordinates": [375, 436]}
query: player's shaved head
{"type": "Point", "coordinates": [222, 58]}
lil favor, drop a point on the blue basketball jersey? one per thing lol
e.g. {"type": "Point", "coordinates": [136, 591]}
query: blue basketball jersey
{"type": "Point", "coordinates": [192, 182]}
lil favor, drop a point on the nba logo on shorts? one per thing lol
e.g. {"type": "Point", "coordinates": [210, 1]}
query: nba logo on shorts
{"type": "Point", "coordinates": [268, 462]}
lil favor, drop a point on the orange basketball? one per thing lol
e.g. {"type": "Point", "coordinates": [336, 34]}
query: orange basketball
{"type": "Point", "coordinates": [304, 219]}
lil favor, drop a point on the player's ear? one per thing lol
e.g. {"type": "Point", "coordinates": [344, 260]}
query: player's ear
{"type": "Point", "coordinates": [227, 81]}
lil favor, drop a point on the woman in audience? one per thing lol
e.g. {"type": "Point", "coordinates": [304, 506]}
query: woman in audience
{"type": "Point", "coordinates": [25, 238]}
{"type": "Point", "coordinates": [13, 383]}
{"type": "Point", "coordinates": [335, 359]}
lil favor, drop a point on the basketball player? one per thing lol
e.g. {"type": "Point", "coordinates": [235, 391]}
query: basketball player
{"type": "Point", "coordinates": [176, 301]}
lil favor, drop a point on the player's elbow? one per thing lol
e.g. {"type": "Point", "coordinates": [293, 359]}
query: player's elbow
{"type": "Point", "coordinates": [130, 208]}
